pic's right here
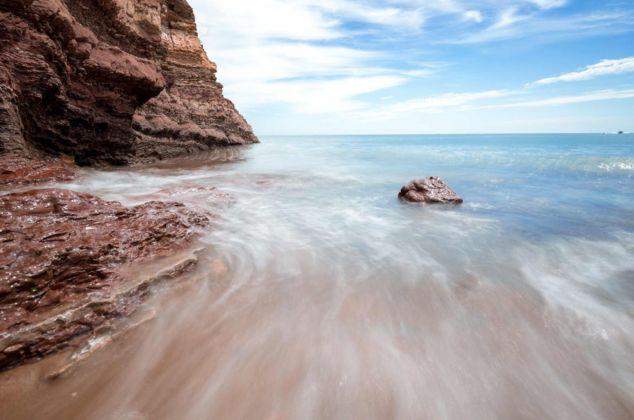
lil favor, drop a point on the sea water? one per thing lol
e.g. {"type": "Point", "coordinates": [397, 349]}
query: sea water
{"type": "Point", "coordinates": [323, 296]}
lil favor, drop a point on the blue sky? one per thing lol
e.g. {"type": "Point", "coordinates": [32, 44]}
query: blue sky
{"type": "Point", "coordinates": [424, 66]}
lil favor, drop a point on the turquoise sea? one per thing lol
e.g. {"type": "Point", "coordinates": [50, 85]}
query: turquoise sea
{"type": "Point", "coordinates": [323, 296]}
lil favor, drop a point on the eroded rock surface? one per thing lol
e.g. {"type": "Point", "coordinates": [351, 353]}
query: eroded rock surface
{"type": "Point", "coordinates": [109, 81]}
{"type": "Point", "coordinates": [60, 252]}
{"type": "Point", "coordinates": [429, 190]}
{"type": "Point", "coordinates": [19, 170]}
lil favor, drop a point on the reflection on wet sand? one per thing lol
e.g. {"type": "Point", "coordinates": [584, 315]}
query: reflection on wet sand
{"type": "Point", "coordinates": [317, 347]}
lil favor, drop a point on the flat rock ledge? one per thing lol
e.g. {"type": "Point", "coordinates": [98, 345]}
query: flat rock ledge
{"type": "Point", "coordinates": [19, 171]}
{"type": "Point", "coordinates": [61, 257]}
{"type": "Point", "coordinates": [430, 190]}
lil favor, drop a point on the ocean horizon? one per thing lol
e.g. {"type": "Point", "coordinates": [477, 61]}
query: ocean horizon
{"type": "Point", "coordinates": [615, 133]}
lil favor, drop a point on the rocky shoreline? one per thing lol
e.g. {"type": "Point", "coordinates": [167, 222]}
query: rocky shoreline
{"type": "Point", "coordinates": [113, 82]}
{"type": "Point", "coordinates": [61, 264]}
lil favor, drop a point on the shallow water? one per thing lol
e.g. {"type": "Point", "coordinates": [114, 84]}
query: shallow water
{"type": "Point", "coordinates": [322, 296]}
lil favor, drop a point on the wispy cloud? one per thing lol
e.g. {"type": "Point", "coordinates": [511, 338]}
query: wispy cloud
{"type": "Point", "coordinates": [602, 68]}
{"type": "Point", "coordinates": [549, 4]}
{"type": "Point", "coordinates": [446, 100]}
{"type": "Point", "coordinates": [434, 103]}
{"type": "Point", "coordinates": [506, 19]}
{"type": "Point", "coordinates": [282, 52]}
{"type": "Point", "coordinates": [601, 95]}
{"type": "Point", "coordinates": [323, 56]}
{"type": "Point", "coordinates": [513, 24]}
{"type": "Point", "coordinates": [470, 101]}
{"type": "Point", "coordinates": [381, 15]}
{"type": "Point", "coordinates": [473, 15]}
{"type": "Point", "coordinates": [474, 101]}
{"type": "Point", "coordinates": [328, 96]}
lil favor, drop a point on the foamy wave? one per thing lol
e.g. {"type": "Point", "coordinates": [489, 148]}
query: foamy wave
{"type": "Point", "coordinates": [617, 166]}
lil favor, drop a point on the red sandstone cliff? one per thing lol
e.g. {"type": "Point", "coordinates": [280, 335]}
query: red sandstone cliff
{"type": "Point", "coordinates": [98, 82]}
{"type": "Point", "coordinates": [109, 81]}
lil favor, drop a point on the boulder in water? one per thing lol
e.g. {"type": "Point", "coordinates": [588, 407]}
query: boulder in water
{"type": "Point", "coordinates": [431, 190]}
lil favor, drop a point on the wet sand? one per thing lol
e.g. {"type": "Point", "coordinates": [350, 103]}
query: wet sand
{"type": "Point", "coordinates": [314, 349]}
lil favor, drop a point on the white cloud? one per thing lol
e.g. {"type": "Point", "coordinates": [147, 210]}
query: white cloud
{"type": "Point", "coordinates": [321, 56]}
{"type": "Point", "coordinates": [279, 52]}
{"type": "Point", "coordinates": [447, 100]}
{"type": "Point", "coordinates": [549, 4]}
{"type": "Point", "coordinates": [514, 24]}
{"type": "Point", "coordinates": [311, 79]}
{"type": "Point", "coordinates": [507, 18]}
{"type": "Point", "coordinates": [292, 52]}
{"type": "Point", "coordinates": [472, 101]}
{"type": "Point", "coordinates": [263, 19]}
{"type": "Point", "coordinates": [272, 61]}
{"type": "Point", "coordinates": [473, 15]}
{"type": "Point", "coordinates": [328, 96]}
{"type": "Point", "coordinates": [389, 16]}
{"type": "Point", "coordinates": [602, 95]}
{"type": "Point", "coordinates": [602, 68]}
{"type": "Point", "coordinates": [434, 103]}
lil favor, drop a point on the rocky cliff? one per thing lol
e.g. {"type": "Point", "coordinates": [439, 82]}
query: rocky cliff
{"type": "Point", "coordinates": [109, 81]}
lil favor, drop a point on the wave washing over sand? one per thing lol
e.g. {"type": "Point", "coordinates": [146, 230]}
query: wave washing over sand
{"type": "Point", "coordinates": [319, 295]}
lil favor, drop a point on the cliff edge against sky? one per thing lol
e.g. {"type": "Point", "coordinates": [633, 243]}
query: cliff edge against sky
{"type": "Point", "coordinates": [109, 81]}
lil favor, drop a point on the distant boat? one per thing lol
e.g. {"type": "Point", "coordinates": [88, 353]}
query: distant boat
{"type": "Point", "coordinates": [620, 132]}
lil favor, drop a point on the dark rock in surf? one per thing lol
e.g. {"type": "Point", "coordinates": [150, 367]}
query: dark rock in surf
{"type": "Point", "coordinates": [431, 190]}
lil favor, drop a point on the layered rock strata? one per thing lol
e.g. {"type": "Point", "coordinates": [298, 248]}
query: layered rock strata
{"type": "Point", "coordinates": [109, 81]}
{"type": "Point", "coordinates": [62, 252]}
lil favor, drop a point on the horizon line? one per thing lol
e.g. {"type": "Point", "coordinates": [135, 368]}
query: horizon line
{"type": "Point", "coordinates": [615, 133]}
